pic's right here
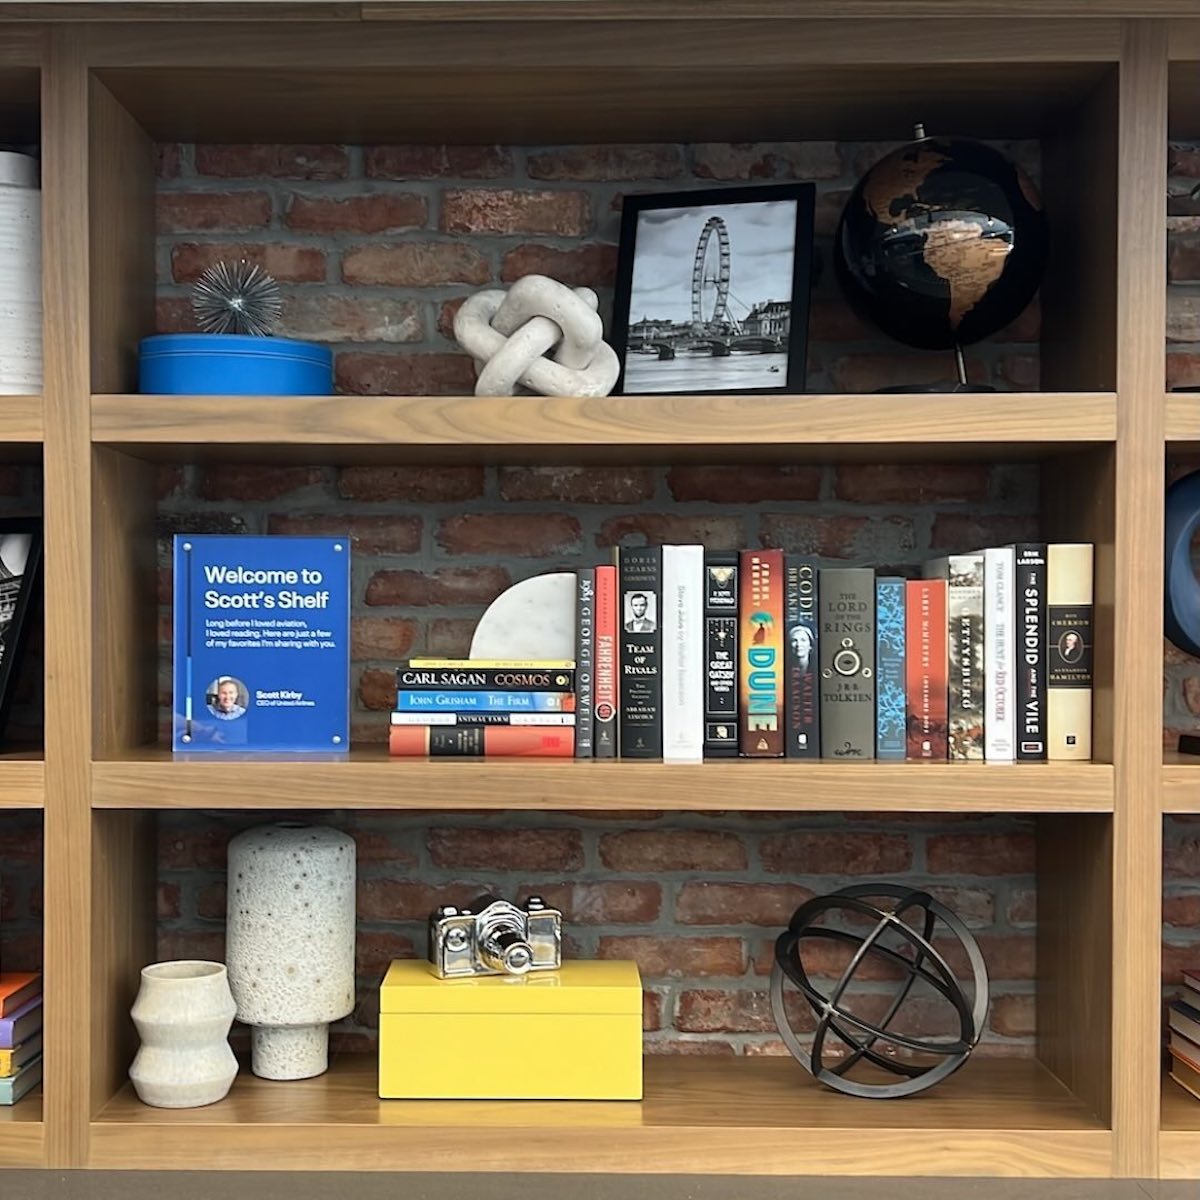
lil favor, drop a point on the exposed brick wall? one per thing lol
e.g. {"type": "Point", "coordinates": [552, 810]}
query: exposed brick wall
{"type": "Point", "coordinates": [695, 899]}
{"type": "Point", "coordinates": [20, 891]}
{"type": "Point", "coordinates": [1181, 901]}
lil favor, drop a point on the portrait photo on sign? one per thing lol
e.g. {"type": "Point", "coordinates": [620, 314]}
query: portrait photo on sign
{"type": "Point", "coordinates": [20, 581]}
{"type": "Point", "coordinates": [640, 613]}
{"type": "Point", "coordinates": [712, 290]}
{"type": "Point", "coordinates": [227, 698]}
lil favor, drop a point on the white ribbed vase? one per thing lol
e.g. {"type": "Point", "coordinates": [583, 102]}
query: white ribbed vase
{"type": "Point", "coordinates": [183, 1013]}
{"type": "Point", "coordinates": [290, 942]}
{"type": "Point", "coordinates": [20, 275]}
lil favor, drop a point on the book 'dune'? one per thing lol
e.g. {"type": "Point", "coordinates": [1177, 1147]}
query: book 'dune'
{"type": "Point", "coordinates": [680, 653]}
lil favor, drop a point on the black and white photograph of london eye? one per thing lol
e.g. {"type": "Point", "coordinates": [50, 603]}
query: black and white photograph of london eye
{"type": "Point", "coordinates": [711, 295]}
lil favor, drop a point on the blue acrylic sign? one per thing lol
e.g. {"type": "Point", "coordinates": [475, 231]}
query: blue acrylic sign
{"type": "Point", "coordinates": [262, 643]}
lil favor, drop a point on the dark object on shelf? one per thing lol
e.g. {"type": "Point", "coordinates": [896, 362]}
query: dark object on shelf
{"type": "Point", "coordinates": [1181, 590]}
{"type": "Point", "coordinates": [1189, 743]}
{"type": "Point", "coordinates": [495, 937]}
{"type": "Point", "coordinates": [20, 588]}
{"type": "Point", "coordinates": [941, 244]}
{"type": "Point", "coordinates": [889, 941]}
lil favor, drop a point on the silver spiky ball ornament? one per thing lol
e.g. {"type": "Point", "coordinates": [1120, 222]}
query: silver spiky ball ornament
{"type": "Point", "coordinates": [237, 297]}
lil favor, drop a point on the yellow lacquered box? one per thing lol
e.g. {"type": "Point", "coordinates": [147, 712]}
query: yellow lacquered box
{"type": "Point", "coordinates": [570, 1034]}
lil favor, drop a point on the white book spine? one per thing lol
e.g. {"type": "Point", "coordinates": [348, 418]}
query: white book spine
{"type": "Point", "coordinates": [999, 723]}
{"type": "Point", "coordinates": [683, 653]}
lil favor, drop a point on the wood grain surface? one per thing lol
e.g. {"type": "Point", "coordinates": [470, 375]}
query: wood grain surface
{"type": "Point", "coordinates": [22, 779]}
{"type": "Point", "coordinates": [22, 1134]}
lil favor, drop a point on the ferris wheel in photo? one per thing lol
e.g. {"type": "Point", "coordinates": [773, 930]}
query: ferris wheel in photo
{"type": "Point", "coordinates": [710, 275]}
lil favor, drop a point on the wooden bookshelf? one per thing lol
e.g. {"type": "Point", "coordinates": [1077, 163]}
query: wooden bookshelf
{"type": "Point", "coordinates": [22, 779]}
{"type": "Point", "coordinates": [737, 1116]}
{"type": "Point", "coordinates": [22, 1133]}
{"type": "Point", "coordinates": [21, 422]}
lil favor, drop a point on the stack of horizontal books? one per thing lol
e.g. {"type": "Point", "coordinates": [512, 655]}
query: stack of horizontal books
{"type": "Point", "coordinates": [20, 1034]}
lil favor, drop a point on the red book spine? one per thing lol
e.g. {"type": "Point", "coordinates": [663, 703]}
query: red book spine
{"type": "Point", "coordinates": [605, 698]}
{"type": "Point", "coordinates": [760, 650]}
{"type": "Point", "coordinates": [473, 741]}
{"type": "Point", "coordinates": [926, 673]}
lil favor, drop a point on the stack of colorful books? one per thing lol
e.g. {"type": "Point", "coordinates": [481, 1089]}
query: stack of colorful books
{"type": "Point", "coordinates": [460, 707]}
{"type": "Point", "coordinates": [20, 1034]}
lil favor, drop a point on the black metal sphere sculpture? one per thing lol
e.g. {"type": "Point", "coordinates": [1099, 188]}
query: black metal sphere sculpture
{"type": "Point", "coordinates": [861, 1039]}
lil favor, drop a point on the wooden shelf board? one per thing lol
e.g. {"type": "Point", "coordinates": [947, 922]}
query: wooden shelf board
{"type": "Point", "coordinates": [716, 1115]}
{"type": "Point", "coordinates": [1180, 782]}
{"type": "Point", "coordinates": [22, 1134]}
{"type": "Point", "coordinates": [624, 428]}
{"type": "Point", "coordinates": [367, 778]}
{"type": "Point", "coordinates": [1179, 1139]}
{"type": "Point", "coordinates": [22, 779]}
{"type": "Point", "coordinates": [1183, 416]}
{"type": "Point", "coordinates": [21, 422]}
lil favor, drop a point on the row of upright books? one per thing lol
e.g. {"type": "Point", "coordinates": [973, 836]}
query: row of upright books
{"type": "Point", "coordinates": [1183, 1045]}
{"type": "Point", "coordinates": [687, 654]}
{"type": "Point", "coordinates": [20, 1034]}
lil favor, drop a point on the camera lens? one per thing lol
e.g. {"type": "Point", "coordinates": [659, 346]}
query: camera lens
{"type": "Point", "coordinates": [506, 950]}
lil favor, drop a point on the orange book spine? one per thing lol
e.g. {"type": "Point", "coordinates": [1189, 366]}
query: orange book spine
{"type": "Point", "coordinates": [471, 741]}
{"type": "Point", "coordinates": [926, 673]}
{"type": "Point", "coordinates": [760, 674]}
{"type": "Point", "coordinates": [604, 698]}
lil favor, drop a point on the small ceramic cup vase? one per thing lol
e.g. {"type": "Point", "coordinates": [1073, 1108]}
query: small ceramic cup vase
{"type": "Point", "coordinates": [183, 1013]}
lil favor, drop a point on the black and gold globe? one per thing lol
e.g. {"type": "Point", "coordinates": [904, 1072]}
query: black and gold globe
{"type": "Point", "coordinates": [942, 243]}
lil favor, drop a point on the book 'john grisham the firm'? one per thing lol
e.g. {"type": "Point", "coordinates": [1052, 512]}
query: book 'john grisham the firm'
{"type": "Point", "coordinates": [262, 643]}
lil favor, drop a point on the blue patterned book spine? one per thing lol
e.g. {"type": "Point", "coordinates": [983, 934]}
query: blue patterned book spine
{"type": "Point", "coordinates": [889, 669]}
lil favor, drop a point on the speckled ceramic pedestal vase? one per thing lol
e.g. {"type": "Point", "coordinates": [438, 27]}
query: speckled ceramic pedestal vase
{"type": "Point", "coordinates": [183, 1013]}
{"type": "Point", "coordinates": [290, 942]}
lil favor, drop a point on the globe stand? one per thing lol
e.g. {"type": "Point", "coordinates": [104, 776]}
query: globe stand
{"type": "Point", "coordinates": [961, 386]}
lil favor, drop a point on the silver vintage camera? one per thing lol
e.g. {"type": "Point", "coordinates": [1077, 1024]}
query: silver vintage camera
{"type": "Point", "coordinates": [495, 937]}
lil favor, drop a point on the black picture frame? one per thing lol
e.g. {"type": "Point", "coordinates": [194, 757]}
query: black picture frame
{"type": "Point", "coordinates": [19, 595]}
{"type": "Point", "coordinates": [624, 338]}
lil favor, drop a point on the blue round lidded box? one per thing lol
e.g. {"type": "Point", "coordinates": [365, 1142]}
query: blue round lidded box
{"type": "Point", "coordinates": [232, 364]}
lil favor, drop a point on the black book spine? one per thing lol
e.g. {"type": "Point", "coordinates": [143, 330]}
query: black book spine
{"type": "Point", "coordinates": [484, 679]}
{"type": "Point", "coordinates": [720, 654]}
{"type": "Point", "coordinates": [802, 692]}
{"type": "Point", "coordinates": [1031, 652]}
{"type": "Point", "coordinates": [640, 585]}
{"type": "Point", "coordinates": [585, 660]}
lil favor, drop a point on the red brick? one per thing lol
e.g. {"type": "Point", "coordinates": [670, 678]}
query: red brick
{"type": "Point", "coordinates": [974, 906]}
{"type": "Point", "coordinates": [704, 903]}
{"type": "Point", "coordinates": [446, 314]}
{"type": "Point", "coordinates": [879, 539]}
{"type": "Point", "coordinates": [652, 1011]}
{"type": "Point", "coordinates": [711, 1010]}
{"type": "Point", "coordinates": [1190, 689]}
{"type": "Point", "coordinates": [960, 531]}
{"type": "Point", "coordinates": [1183, 160]}
{"type": "Point", "coordinates": [210, 901]}
{"type": "Point", "coordinates": [192, 212]}
{"type": "Point", "coordinates": [238, 481]}
{"type": "Point", "coordinates": [1181, 857]}
{"type": "Point", "coordinates": [376, 846]}
{"type": "Point", "coordinates": [540, 850]}
{"type": "Point", "coordinates": [168, 160]}
{"type": "Point", "coordinates": [377, 690]}
{"type": "Point", "coordinates": [1022, 908]}
{"type": "Point", "coordinates": [981, 854]}
{"type": "Point", "coordinates": [322, 317]}
{"type": "Point", "coordinates": [1183, 258]}
{"type": "Point", "coordinates": [286, 263]}
{"type": "Point", "coordinates": [167, 901]}
{"type": "Point", "coordinates": [1176, 959]}
{"type": "Point", "coordinates": [672, 850]}
{"type": "Point", "coordinates": [593, 266]}
{"type": "Point", "coordinates": [374, 951]}
{"type": "Point", "coordinates": [578, 485]}
{"type": "Point", "coordinates": [437, 162]}
{"type": "Point", "coordinates": [1181, 910]}
{"type": "Point", "coordinates": [869, 372]}
{"type": "Point", "coordinates": [523, 535]}
{"type": "Point", "coordinates": [745, 484]}
{"type": "Point", "coordinates": [607, 163]}
{"type": "Point", "coordinates": [415, 264]}
{"type": "Point", "coordinates": [675, 957]}
{"type": "Point", "coordinates": [450, 637]}
{"type": "Point", "coordinates": [660, 529]}
{"type": "Point", "coordinates": [381, 637]}
{"type": "Point", "coordinates": [208, 945]}
{"type": "Point", "coordinates": [416, 485]}
{"type": "Point", "coordinates": [1183, 317]}
{"type": "Point", "coordinates": [766, 160]}
{"type": "Point", "coordinates": [507, 210]}
{"type": "Point", "coordinates": [826, 853]}
{"type": "Point", "coordinates": [911, 484]}
{"type": "Point", "coordinates": [445, 586]}
{"type": "Point", "coordinates": [173, 314]}
{"type": "Point", "coordinates": [705, 1047]}
{"type": "Point", "coordinates": [1183, 370]}
{"type": "Point", "coordinates": [825, 959]}
{"type": "Point", "coordinates": [407, 900]}
{"type": "Point", "coordinates": [600, 903]}
{"type": "Point", "coordinates": [277, 161]}
{"type": "Point", "coordinates": [380, 212]}
{"type": "Point", "coordinates": [368, 535]}
{"type": "Point", "coordinates": [1006, 956]}
{"type": "Point", "coordinates": [767, 1048]}
{"type": "Point", "coordinates": [204, 848]}
{"type": "Point", "coordinates": [362, 374]}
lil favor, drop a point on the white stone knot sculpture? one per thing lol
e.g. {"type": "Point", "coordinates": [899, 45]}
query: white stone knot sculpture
{"type": "Point", "coordinates": [508, 334]}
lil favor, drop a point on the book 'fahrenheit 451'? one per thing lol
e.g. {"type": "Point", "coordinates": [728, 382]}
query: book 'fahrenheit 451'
{"type": "Point", "coordinates": [1031, 651]}
{"type": "Point", "coordinates": [761, 653]}
{"type": "Point", "coordinates": [640, 570]}
{"type": "Point", "coordinates": [846, 603]}
{"type": "Point", "coordinates": [964, 611]}
{"type": "Point", "coordinates": [604, 724]}
{"type": "Point", "coordinates": [683, 652]}
{"type": "Point", "coordinates": [802, 691]}
{"type": "Point", "coordinates": [760, 671]}
{"type": "Point", "coordinates": [890, 740]}
{"type": "Point", "coordinates": [925, 670]}
{"type": "Point", "coordinates": [585, 658]}
{"type": "Point", "coordinates": [1069, 650]}
{"type": "Point", "coordinates": [721, 654]}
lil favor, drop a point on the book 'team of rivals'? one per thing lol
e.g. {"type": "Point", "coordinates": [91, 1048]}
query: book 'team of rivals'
{"type": "Point", "coordinates": [262, 643]}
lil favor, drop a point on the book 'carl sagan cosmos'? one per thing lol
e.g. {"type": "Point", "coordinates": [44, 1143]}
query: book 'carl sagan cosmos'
{"type": "Point", "coordinates": [262, 643]}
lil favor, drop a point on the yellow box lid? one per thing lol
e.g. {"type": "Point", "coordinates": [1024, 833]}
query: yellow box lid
{"type": "Point", "coordinates": [584, 987]}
